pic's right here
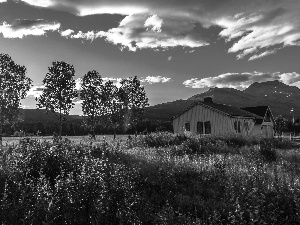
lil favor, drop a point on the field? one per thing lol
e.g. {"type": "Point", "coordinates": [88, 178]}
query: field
{"type": "Point", "coordinates": [75, 139]}
{"type": "Point", "coordinates": [159, 178]}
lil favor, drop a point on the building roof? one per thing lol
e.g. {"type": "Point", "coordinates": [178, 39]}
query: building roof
{"type": "Point", "coordinates": [224, 109]}
{"type": "Point", "coordinates": [260, 111]}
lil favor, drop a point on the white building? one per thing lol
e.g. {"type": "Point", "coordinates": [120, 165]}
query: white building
{"type": "Point", "coordinates": [207, 117]}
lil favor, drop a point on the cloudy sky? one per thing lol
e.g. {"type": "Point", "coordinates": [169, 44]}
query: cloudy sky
{"type": "Point", "coordinates": [177, 48]}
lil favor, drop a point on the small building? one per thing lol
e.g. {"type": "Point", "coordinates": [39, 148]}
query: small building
{"type": "Point", "coordinates": [265, 125]}
{"type": "Point", "coordinates": [207, 117]}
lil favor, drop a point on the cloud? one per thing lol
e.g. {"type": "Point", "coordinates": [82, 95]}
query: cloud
{"type": "Point", "coordinates": [143, 31]}
{"type": "Point", "coordinates": [241, 80]}
{"type": "Point", "coordinates": [66, 33]}
{"type": "Point", "coordinates": [154, 23]}
{"type": "Point", "coordinates": [40, 3]}
{"type": "Point", "coordinates": [24, 106]}
{"type": "Point", "coordinates": [35, 91]}
{"type": "Point", "coordinates": [21, 28]}
{"type": "Point", "coordinates": [254, 29]}
{"type": "Point", "coordinates": [169, 58]}
{"type": "Point", "coordinates": [155, 79]}
{"type": "Point", "coordinates": [2, 1]}
{"type": "Point", "coordinates": [116, 81]}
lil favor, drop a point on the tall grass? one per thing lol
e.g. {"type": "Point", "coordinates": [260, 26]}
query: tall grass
{"type": "Point", "coordinates": [160, 178]}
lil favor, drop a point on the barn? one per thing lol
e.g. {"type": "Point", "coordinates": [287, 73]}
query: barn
{"type": "Point", "coordinates": [207, 117]}
{"type": "Point", "coordinates": [264, 126]}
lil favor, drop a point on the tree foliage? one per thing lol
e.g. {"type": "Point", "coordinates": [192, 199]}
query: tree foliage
{"type": "Point", "coordinates": [14, 85]}
{"type": "Point", "coordinates": [59, 91]}
{"type": "Point", "coordinates": [279, 124]}
{"type": "Point", "coordinates": [92, 98]}
{"type": "Point", "coordinates": [114, 105]}
{"type": "Point", "coordinates": [134, 99]}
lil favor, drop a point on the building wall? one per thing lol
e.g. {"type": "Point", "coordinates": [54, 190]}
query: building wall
{"type": "Point", "coordinates": [221, 124]}
{"type": "Point", "coordinates": [257, 130]}
{"type": "Point", "coordinates": [266, 129]}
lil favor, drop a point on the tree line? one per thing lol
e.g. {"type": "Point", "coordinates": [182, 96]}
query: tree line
{"type": "Point", "coordinates": [102, 102]}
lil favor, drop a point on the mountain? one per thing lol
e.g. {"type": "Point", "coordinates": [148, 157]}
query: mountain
{"type": "Point", "coordinates": [34, 115]}
{"type": "Point", "coordinates": [165, 111]}
{"type": "Point", "coordinates": [280, 97]}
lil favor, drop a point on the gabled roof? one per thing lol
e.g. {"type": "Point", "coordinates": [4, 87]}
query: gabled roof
{"type": "Point", "coordinates": [221, 108]}
{"type": "Point", "coordinates": [260, 111]}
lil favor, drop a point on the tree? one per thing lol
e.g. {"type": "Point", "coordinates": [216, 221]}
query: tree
{"type": "Point", "coordinates": [113, 105]}
{"type": "Point", "coordinates": [59, 91]}
{"type": "Point", "coordinates": [134, 99]}
{"type": "Point", "coordinates": [91, 94]}
{"type": "Point", "coordinates": [279, 125]}
{"type": "Point", "coordinates": [14, 86]}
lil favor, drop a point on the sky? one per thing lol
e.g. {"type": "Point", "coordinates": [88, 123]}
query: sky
{"type": "Point", "coordinates": [177, 48]}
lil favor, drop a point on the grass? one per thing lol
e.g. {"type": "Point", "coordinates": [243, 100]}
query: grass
{"type": "Point", "coordinates": [160, 178]}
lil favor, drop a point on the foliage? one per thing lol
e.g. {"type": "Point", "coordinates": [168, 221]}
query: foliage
{"type": "Point", "coordinates": [134, 99]}
{"type": "Point", "coordinates": [128, 182]}
{"type": "Point", "coordinates": [279, 124]}
{"type": "Point", "coordinates": [114, 105]}
{"type": "Point", "coordinates": [59, 91]}
{"type": "Point", "coordinates": [267, 150]}
{"type": "Point", "coordinates": [93, 101]}
{"type": "Point", "coordinates": [14, 86]}
{"type": "Point", "coordinates": [65, 184]}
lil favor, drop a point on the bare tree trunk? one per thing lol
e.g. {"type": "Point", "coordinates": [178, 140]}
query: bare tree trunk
{"type": "Point", "coordinates": [1, 124]}
{"type": "Point", "coordinates": [115, 135]}
{"type": "Point", "coordinates": [60, 124]}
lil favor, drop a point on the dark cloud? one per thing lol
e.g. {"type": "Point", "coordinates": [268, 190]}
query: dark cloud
{"type": "Point", "coordinates": [26, 23]}
{"type": "Point", "coordinates": [254, 25]}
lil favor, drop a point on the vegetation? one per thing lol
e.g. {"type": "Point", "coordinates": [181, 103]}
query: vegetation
{"type": "Point", "coordinates": [59, 91]}
{"type": "Point", "coordinates": [159, 178]}
{"type": "Point", "coordinates": [134, 99]}
{"type": "Point", "coordinates": [14, 86]}
{"type": "Point", "coordinates": [93, 101]}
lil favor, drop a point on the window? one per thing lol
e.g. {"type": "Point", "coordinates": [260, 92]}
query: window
{"type": "Point", "coordinates": [246, 126]}
{"type": "Point", "coordinates": [237, 126]}
{"type": "Point", "coordinates": [187, 126]}
{"type": "Point", "coordinates": [200, 127]}
{"type": "Point", "coordinates": [207, 126]}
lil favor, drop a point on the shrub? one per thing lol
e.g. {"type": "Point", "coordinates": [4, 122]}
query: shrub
{"type": "Point", "coordinates": [284, 144]}
{"type": "Point", "coordinates": [267, 150]}
{"type": "Point", "coordinates": [64, 184]}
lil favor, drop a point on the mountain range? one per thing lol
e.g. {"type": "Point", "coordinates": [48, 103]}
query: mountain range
{"type": "Point", "coordinates": [280, 97]}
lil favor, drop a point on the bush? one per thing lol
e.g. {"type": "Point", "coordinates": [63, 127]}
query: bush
{"type": "Point", "coordinates": [64, 184]}
{"type": "Point", "coordinates": [267, 150]}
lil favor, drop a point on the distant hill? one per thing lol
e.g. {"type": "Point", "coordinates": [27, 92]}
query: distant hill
{"type": "Point", "coordinates": [280, 97]}
{"type": "Point", "coordinates": [165, 111]}
{"type": "Point", "coordinates": [34, 115]}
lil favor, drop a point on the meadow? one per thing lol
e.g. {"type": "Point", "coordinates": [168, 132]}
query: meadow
{"type": "Point", "coordinates": [159, 178]}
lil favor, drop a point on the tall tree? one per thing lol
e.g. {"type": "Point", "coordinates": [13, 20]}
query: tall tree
{"type": "Point", "coordinates": [279, 125]}
{"type": "Point", "coordinates": [14, 86]}
{"type": "Point", "coordinates": [59, 91]}
{"type": "Point", "coordinates": [91, 94]}
{"type": "Point", "coordinates": [134, 99]}
{"type": "Point", "coordinates": [114, 106]}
